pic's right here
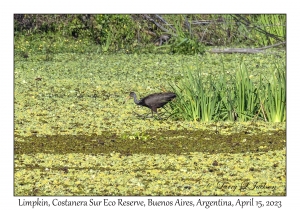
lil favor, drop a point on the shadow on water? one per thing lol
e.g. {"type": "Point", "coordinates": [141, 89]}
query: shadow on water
{"type": "Point", "coordinates": [153, 142]}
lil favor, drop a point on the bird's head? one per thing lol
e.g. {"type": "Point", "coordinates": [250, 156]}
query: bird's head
{"type": "Point", "coordinates": [132, 94]}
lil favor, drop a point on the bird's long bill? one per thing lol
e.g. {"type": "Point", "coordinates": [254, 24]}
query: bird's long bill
{"type": "Point", "coordinates": [127, 98]}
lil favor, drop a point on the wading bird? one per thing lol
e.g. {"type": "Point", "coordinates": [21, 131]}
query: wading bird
{"type": "Point", "coordinates": [154, 101]}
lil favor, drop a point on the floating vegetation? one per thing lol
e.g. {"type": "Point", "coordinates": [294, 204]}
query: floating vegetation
{"type": "Point", "coordinates": [76, 134]}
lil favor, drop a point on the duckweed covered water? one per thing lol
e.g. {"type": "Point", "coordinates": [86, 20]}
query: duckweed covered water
{"type": "Point", "coordinates": [76, 135]}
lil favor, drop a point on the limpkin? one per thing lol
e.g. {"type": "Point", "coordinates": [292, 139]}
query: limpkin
{"type": "Point", "coordinates": [154, 101]}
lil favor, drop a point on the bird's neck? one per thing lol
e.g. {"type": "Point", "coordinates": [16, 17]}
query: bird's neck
{"type": "Point", "coordinates": [136, 100]}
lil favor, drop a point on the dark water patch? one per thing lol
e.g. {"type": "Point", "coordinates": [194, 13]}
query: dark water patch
{"type": "Point", "coordinates": [153, 142]}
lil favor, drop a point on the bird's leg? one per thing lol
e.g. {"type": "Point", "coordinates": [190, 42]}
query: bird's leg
{"type": "Point", "coordinates": [158, 116]}
{"type": "Point", "coordinates": [142, 116]}
{"type": "Point", "coordinates": [138, 114]}
{"type": "Point", "coordinates": [155, 110]}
